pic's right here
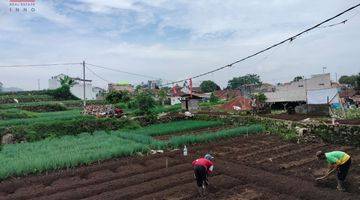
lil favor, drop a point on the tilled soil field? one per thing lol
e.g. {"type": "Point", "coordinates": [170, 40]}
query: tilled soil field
{"type": "Point", "coordinates": [246, 168]}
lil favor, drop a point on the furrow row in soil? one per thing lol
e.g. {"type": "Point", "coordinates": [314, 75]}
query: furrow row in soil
{"type": "Point", "coordinates": [96, 177]}
{"type": "Point", "coordinates": [145, 188]}
{"type": "Point", "coordinates": [189, 191]}
{"type": "Point", "coordinates": [91, 190]}
{"type": "Point", "coordinates": [279, 183]}
{"type": "Point", "coordinates": [289, 153]}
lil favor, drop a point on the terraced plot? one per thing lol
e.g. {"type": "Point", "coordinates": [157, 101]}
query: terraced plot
{"type": "Point", "coordinates": [247, 168]}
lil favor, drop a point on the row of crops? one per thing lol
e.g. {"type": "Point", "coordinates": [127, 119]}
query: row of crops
{"type": "Point", "coordinates": [66, 104]}
{"type": "Point", "coordinates": [85, 148]}
{"type": "Point", "coordinates": [10, 98]}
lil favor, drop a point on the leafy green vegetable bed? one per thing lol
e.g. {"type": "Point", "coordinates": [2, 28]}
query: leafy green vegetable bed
{"type": "Point", "coordinates": [42, 117]}
{"type": "Point", "coordinates": [172, 127]}
{"type": "Point", "coordinates": [178, 141]}
{"type": "Point", "coordinates": [69, 151]}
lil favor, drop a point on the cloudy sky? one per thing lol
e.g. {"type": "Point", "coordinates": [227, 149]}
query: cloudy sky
{"type": "Point", "coordinates": [175, 39]}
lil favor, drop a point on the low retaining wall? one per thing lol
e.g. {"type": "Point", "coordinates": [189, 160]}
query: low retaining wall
{"type": "Point", "coordinates": [298, 131]}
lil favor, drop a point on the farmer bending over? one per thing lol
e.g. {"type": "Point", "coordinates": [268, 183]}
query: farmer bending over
{"type": "Point", "coordinates": [203, 167]}
{"type": "Point", "coordinates": [339, 161]}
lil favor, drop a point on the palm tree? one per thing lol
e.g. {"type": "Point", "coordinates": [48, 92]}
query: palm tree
{"type": "Point", "coordinates": [67, 81]}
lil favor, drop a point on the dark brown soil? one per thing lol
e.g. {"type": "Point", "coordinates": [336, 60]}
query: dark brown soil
{"type": "Point", "coordinates": [257, 167]}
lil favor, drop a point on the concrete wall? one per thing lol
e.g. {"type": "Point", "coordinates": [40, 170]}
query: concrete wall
{"type": "Point", "coordinates": [318, 109]}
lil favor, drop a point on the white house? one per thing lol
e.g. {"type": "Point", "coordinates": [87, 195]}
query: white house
{"type": "Point", "coordinates": [296, 91]}
{"type": "Point", "coordinates": [78, 89]}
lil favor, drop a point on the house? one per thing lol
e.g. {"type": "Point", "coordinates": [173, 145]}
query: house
{"type": "Point", "coordinates": [77, 89]}
{"type": "Point", "coordinates": [190, 102]}
{"type": "Point", "coordinates": [120, 87]}
{"type": "Point", "coordinates": [248, 90]}
{"type": "Point", "coordinates": [153, 84]}
{"type": "Point", "coordinates": [100, 92]}
{"type": "Point", "coordinates": [296, 91]}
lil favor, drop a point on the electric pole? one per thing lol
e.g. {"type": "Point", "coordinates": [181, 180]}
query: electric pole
{"type": "Point", "coordinates": [38, 84]}
{"type": "Point", "coordinates": [84, 84]}
{"type": "Point", "coordinates": [336, 79]}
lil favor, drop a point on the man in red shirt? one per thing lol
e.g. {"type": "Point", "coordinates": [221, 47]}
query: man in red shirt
{"type": "Point", "coordinates": [202, 167]}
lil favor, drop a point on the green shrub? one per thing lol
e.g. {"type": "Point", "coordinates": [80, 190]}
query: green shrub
{"type": "Point", "coordinates": [144, 103]}
{"type": "Point", "coordinates": [121, 105]}
{"type": "Point", "coordinates": [115, 97]}
{"type": "Point", "coordinates": [213, 98]}
{"type": "Point", "coordinates": [62, 93]}
{"type": "Point", "coordinates": [178, 141]}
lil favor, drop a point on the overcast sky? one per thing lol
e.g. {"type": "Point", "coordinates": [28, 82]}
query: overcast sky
{"type": "Point", "coordinates": [174, 39]}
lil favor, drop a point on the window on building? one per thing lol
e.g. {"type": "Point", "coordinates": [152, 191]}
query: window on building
{"type": "Point", "coordinates": [301, 85]}
{"type": "Point", "coordinates": [322, 84]}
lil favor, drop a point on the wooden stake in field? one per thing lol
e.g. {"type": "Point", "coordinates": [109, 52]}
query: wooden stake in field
{"type": "Point", "coordinates": [166, 162]}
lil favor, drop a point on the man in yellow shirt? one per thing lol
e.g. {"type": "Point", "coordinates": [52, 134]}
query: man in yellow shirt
{"type": "Point", "coordinates": [339, 161]}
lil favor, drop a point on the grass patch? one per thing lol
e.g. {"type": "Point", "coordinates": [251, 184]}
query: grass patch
{"type": "Point", "coordinates": [178, 141]}
{"type": "Point", "coordinates": [68, 151]}
{"type": "Point", "coordinates": [172, 127]}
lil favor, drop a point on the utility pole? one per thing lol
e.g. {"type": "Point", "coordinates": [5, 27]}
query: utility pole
{"type": "Point", "coordinates": [336, 80]}
{"type": "Point", "coordinates": [306, 93]}
{"type": "Point", "coordinates": [38, 84]}
{"type": "Point", "coordinates": [84, 84]}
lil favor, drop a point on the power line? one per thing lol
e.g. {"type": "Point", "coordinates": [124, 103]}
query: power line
{"type": "Point", "coordinates": [125, 72]}
{"type": "Point", "coordinates": [331, 25]}
{"type": "Point", "coordinates": [290, 39]}
{"type": "Point", "coordinates": [97, 75]}
{"type": "Point", "coordinates": [38, 65]}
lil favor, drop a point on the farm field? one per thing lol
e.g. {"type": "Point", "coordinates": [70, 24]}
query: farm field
{"type": "Point", "coordinates": [247, 167]}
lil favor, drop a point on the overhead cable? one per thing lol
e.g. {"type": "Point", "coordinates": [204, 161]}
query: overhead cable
{"type": "Point", "coordinates": [38, 65]}
{"type": "Point", "coordinates": [290, 39]}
